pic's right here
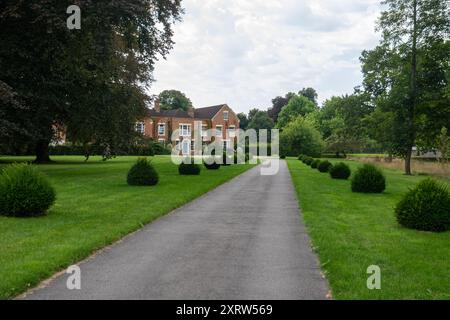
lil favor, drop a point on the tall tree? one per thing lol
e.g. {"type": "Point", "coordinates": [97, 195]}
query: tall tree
{"type": "Point", "coordinates": [309, 93]}
{"type": "Point", "coordinates": [83, 78]}
{"type": "Point", "coordinates": [261, 120]}
{"type": "Point", "coordinates": [297, 106]}
{"type": "Point", "coordinates": [395, 72]}
{"type": "Point", "coordinates": [243, 120]}
{"type": "Point", "coordinates": [277, 104]}
{"type": "Point", "coordinates": [174, 99]}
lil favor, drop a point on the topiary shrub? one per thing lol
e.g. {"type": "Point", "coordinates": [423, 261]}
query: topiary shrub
{"type": "Point", "coordinates": [315, 164]}
{"type": "Point", "coordinates": [368, 179]}
{"type": "Point", "coordinates": [24, 191]}
{"type": "Point", "coordinates": [308, 161]}
{"type": "Point", "coordinates": [324, 166]}
{"type": "Point", "coordinates": [301, 157]}
{"type": "Point", "coordinates": [212, 164]}
{"type": "Point", "coordinates": [426, 207]}
{"type": "Point", "coordinates": [340, 171]}
{"type": "Point", "coordinates": [189, 169]}
{"type": "Point", "coordinates": [142, 173]}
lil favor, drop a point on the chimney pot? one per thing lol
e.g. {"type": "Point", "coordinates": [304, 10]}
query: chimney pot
{"type": "Point", "coordinates": [157, 106]}
{"type": "Point", "coordinates": [191, 112]}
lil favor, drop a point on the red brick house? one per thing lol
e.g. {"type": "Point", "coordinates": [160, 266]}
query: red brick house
{"type": "Point", "coordinates": [160, 124]}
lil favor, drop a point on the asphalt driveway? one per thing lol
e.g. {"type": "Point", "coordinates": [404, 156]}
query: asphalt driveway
{"type": "Point", "coordinates": [243, 240]}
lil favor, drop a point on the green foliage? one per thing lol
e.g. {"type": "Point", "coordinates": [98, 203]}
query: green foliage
{"type": "Point", "coordinates": [93, 81]}
{"type": "Point", "coordinates": [277, 105]}
{"type": "Point", "coordinates": [407, 74]}
{"type": "Point", "coordinates": [243, 120]}
{"type": "Point", "coordinates": [308, 160]}
{"type": "Point", "coordinates": [426, 207]}
{"type": "Point", "coordinates": [324, 166]}
{"type": "Point", "coordinates": [340, 171]}
{"type": "Point", "coordinates": [297, 106]}
{"type": "Point", "coordinates": [211, 164]}
{"type": "Point", "coordinates": [24, 191]}
{"type": "Point", "coordinates": [309, 93]}
{"type": "Point", "coordinates": [189, 169]}
{"type": "Point", "coordinates": [368, 179]}
{"type": "Point", "coordinates": [301, 137]}
{"type": "Point", "coordinates": [301, 157]}
{"type": "Point", "coordinates": [261, 120]}
{"type": "Point", "coordinates": [142, 173]}
{"type": "Point", "coordinates": [174, 99]}
{"type": "Point", "coordinates": [315, 163]}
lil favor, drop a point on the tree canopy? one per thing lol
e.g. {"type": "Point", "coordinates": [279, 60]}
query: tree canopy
{"type": "Point", "coordinates": [297, 106]}
{"type": "Point", "coordinates": [174, 99]}
{"type": "Point", "coordinates": [92, 80]}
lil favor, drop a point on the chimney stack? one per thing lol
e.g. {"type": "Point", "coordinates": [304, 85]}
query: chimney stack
{"type": "Point", "coordinates": [156, 105]}
{"type": "Point", "coordinates": [191, 112]}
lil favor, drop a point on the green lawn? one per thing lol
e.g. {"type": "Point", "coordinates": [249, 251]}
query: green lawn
{"type": "Point", "coordinates": [353, 231]}
{"type": "Point", "coordinates": [94, 208]}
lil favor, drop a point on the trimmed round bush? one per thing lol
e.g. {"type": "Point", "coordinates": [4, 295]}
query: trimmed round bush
{"type": "Point", "coordinates": [340, 171]}
{"type": "Point", "coordinates": [301, 157]}
{"type": "Point", "coordinates": [142, 173]}
{"type": "Point", "coordinates": [212, 166]}
{"type": "Point", "coordinates": [426, 207]}
{"type": "Point", "coordinates": [308, 160]}
{"type": "Point", "coordinates": [24, 191]}
{"type": "Point", "coordinates": [368, 179]}
{"type": "Point", "coordinates": [324, 166]}
{"type": "Point", "coordinates": [315, 164]}
{"type": "Point", "coordinates": [189, 169]}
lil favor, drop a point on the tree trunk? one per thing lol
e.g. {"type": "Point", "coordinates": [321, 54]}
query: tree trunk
{"type": "Point", "coordinates": [413, 104]}
{"type": "Point", "coordinates": [408, 163]}
{"type": "Point", "coordinates": [42, 153]}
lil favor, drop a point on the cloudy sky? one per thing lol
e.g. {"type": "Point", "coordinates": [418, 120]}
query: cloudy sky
{"type": "Point", "coordinates": [246, 52]}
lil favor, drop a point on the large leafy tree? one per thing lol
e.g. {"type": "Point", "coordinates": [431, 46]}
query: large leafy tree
{"type": "Point", "coordinates": [297, 106]}
{"type": "Point", "coordinates": [406, 73]}
{"type": "Point", "coordinates": [309, 93]}
{"type": "Point", "coordinates": [261, 120]}
{"type": "Point", "coordinates": [243, 120]}
{"type": "Point", "coordinates": [301, 137]}
{"type": "Point", "coordinates": [341, 122]}
{"type": "Point", "coordinates": [174, 99]}
{"type": "Point", "coordinates": [91, 80]}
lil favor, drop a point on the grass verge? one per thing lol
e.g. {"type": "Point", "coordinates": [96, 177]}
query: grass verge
{"type": "Point", "coordinates": [351, 232]}
{"type": "Point", "coordinates": [94, 208]}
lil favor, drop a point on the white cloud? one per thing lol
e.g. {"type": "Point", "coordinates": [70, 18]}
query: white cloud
{"type": "Point", "coordinates": [245, 53]}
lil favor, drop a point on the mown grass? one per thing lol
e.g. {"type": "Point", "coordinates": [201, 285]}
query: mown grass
{"type": "Point", "coordinates": [353, 231]}
{"type": "Point", "coordinates": [94, 208]}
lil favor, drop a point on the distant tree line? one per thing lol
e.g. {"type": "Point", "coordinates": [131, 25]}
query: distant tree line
{"type": "Point", "coordinates": [404, 100]}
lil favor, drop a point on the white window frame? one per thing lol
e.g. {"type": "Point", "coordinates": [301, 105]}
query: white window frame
{"type": "Point", "coordinates": [232, 131]}
{"type": "Point", "coordinates": [226, 112]}
{"type": "Point", "coordinates": [162, 141]}
{"type": "Point", "coordinates": [140, 127]}
{"type": "Point", "coordinates": [187, 132]}
{"type": "Point", "coordinates": [204, 130]}
{"type": "Point", "coordinates": [161, 125]}
{"type": "Point", "coordinates": [183, 144]}
{"type": "Point", "coordinates": [221, 131]}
